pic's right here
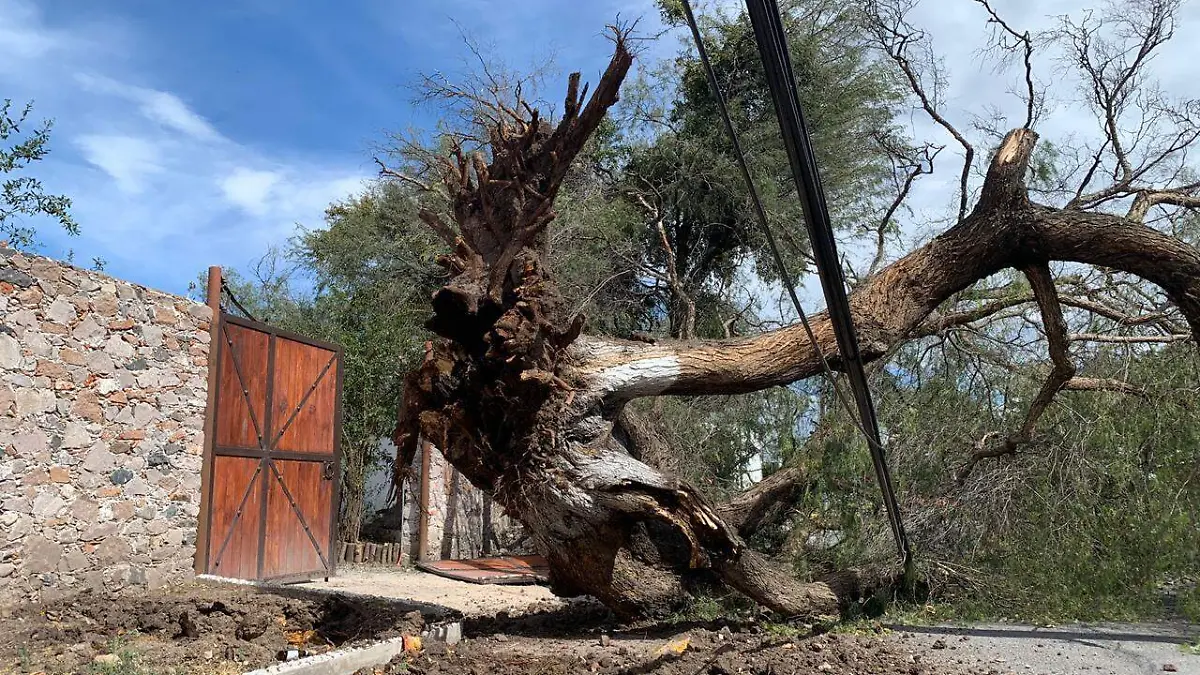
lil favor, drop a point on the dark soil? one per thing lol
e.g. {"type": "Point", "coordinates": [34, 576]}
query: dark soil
{"type": "Point", "coordinates": [192, 629]}
{"type": "Point", "coordinates": [225, 630]}
{"type": "Point", "coordinates": [695, 652]}
{"type": "Point", "coordinates": [585, 638]}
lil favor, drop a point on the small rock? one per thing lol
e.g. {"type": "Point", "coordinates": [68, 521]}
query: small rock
{"type": "Point", "coordinates": [118, 348]}
{"type": "Point", "coordinates": [605, 640]}
{"type": "Point", "coordinates": [99, 459]}
{"type": "Point", "coordinates": [113, 550]}
{"type": "Point", "coordinates": [939, 644]}
{"type": "Point", "coordinates": [105, 304]}
{"type": "Point", "coordinates": [87, 405]}
{"type": "Point", "coordinates": [16, 277]}
{"type": "Point", "coordinates": [106, 659]}
{"type": "Point", "coordinates": [61, 311]}
{"type": "Point", "coordinates": [1170, 667]}
{"type": "Point", "coordinates": [88, 330]}
{"type": "Point", "coordinates": [121, 476]}
{"type": "Point", "coordinates": [824, 667]}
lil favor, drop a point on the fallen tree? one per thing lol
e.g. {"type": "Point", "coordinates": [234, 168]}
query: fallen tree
{"type": "Point", "coordinates": [529, 408]}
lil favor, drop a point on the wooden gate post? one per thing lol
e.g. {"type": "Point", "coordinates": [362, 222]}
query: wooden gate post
{"type": "Point", "coordinates": [214, 327]}
{"type": "Point", "coordinates": [423, 504]}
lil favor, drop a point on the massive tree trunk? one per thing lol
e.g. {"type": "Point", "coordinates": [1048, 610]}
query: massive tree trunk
{"type": "Point", "coordinates": [525, 405]}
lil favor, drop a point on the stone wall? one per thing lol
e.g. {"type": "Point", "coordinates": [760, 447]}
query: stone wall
{"type": "Point", "coordinates": [102, 394]}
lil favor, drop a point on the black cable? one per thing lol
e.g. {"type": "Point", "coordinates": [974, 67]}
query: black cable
{"type": "Point", "coordinates": [233, 298]}
{"type": "Point", "coordinates": [773, 48]}
{"type": "Point", "coordinates": [772, 42]}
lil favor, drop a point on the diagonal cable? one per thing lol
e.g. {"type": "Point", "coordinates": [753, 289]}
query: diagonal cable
{"type": "Point", "coordinates": [769, 34]}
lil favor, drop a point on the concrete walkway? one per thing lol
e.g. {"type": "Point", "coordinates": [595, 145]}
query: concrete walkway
{"type": "Point", "coordinates": [470, 599]}
{"type": "Point", "coordinates": [1112, 649]}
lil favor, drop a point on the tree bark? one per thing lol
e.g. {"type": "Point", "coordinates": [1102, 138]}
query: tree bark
{"type": "Point", "coordinates": [528, 408]}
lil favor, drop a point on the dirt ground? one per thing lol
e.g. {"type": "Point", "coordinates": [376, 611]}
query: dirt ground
{"type": "Point", "coordinates": [206, 629]}
{"type": "Point", "coordinates": [698, 651]}
{"type": "Point", "coordinates": [580, 639]}
{"type": "Point", "coordinates": [193, 629]}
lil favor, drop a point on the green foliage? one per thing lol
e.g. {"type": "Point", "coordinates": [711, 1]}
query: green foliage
{"type": "Point", "coordinates": [22, 195]}
{"type": "Point", "coordinates": [1097, 519]}
{"type": "Point", "coordinates": [679, 159]}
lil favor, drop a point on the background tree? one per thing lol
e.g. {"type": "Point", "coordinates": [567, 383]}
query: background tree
{"type": "Point", "coordinates": [22, 195]}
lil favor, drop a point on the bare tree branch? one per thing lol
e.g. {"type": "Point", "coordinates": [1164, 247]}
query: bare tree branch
{"type": "Point", "coordinates": [895, 36]}
{"type": "Point", "coordinates": [1026, 43]}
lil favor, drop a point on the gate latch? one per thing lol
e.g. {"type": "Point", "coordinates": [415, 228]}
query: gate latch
{"type": "Point", "coordinates": [327, 470]}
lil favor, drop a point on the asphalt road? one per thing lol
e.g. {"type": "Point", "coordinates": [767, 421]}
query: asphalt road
{"type": "Point", "coordinates": [1094, 649]}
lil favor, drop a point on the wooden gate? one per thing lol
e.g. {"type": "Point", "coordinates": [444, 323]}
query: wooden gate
{"type": "Point", "coordinates": [273, 453]}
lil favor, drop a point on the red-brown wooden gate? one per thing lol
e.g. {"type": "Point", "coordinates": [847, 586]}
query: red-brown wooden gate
{"type": "Point", "coordinates": [270, 512]}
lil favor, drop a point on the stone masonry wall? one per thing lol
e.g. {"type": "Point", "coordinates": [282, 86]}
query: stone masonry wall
{"type": "Point", "coordinates": [102, 394]}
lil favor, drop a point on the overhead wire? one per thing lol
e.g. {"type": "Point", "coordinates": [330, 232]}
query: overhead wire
{"type": "Point", "coordinates": [764, 15]}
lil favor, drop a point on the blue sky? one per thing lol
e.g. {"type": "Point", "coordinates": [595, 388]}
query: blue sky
{"type": "Point", "coordinates": [191, 134]}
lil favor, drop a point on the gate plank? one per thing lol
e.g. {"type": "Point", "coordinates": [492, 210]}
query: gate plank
{"type": "Point", "coordinates": [289, 549]}
{"type": "Point", "coordinates": [311, 428]}
{"type": "Point", "coordinates": [233, 539]}
{"type": "Point", "coordinates": [242, 397]}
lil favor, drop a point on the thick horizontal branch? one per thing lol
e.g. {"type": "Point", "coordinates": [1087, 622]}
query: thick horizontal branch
{"type": "Point", "coordinates": [1104, 384]}
{"type": "Point", "coordinates": [889, 307]}
{"type": "Point", "coordinates": [1129, 339]}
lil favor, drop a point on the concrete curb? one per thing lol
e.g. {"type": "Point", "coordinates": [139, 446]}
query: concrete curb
{"type": "Point", "coordinates": [346, 661]}
{"type": "Point", "coordinates": [339, 662]}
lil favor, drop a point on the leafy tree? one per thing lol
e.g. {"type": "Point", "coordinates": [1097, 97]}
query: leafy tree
{"type": "Point", "coordinates": [23, 195]}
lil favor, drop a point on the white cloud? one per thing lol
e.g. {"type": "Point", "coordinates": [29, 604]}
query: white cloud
{"type": "Point", "coordinates": [171, 112]}
{"type": "Point", "coordinates": [173, 193]}
{"type": "Point", "coordinates": [250, 189]}
{"type": "Point", "coordinates": [165, 108]}
{"type": "Point", "coordinates": [129, 160]}
{"type": "Point", "coordinates": [20, 39]}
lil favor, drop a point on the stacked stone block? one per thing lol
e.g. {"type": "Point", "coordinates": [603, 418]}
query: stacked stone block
{"type": "Point", "coordinates": [102, 394]}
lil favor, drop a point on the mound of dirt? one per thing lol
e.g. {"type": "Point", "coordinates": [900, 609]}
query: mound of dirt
{"type": "Point", "coordinates": [193, 629]}
{"type": "Point", "coordinates": [696, 652]}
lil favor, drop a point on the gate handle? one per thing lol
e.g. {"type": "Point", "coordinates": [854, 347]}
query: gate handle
{"type": "Point", "coordinates": [327, 470]}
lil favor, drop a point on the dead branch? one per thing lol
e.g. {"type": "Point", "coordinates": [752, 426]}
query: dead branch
{"type": "Point", "coordinates": [748, 510]}
{"type": "Point", "coordinates": [1062, 370]}
{"type": "Point", "coordinates": [895, 37]}
{"type": "Point", "coordinates": [1104, 384]}
{"type": "Point", "coordinates": [1026, 43]}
